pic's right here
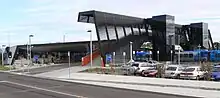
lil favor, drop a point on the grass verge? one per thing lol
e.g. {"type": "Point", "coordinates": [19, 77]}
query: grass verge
{"type": "Point", "coordinates": [4, 68]}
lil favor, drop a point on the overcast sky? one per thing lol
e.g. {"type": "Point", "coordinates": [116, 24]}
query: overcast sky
{"type": "Point", "coordinates": [49, 20]}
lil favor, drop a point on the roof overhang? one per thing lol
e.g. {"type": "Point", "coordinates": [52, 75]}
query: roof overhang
{"type": "Point", "coordinates": [101, 18]}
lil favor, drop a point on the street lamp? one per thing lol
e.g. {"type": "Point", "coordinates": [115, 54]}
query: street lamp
{"type": "Point", "coordinates": [171, 55]}
{"type": "Point", "coordinates": [150, 55]}
{"type": "Point", "coordinates": [114, 58]}
{"type": "Point", "coordinates": [30, 46]}
{"type": "Point", "coordinates": [179, 55]}
{"type": "Point", "coordinates": [158, 54]}
{"type": "Point", "coordinates": [69, 62]}
{"type": "Point", "coordinates": [199, 54]}
{"type": "Point", "coordinates": [124, 55]}
{"type": "Point", "coordinates": [90, 31]}
{"type": "Point", "coordinates": [131, 51]}
{"type": "Point", "coordinates": [3, 54]}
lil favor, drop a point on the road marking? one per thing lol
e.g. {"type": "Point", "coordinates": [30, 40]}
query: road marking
{"type": "Point", "coordinates": [2, 81]}
{"type": "Point", "coordinates": [38, 88]}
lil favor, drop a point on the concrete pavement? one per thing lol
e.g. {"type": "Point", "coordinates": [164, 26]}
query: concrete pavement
{"type": "Point", "coordinates": [207, 89]}
{"type": "Point", "coordinates": [44, 68]}
{"type": "Point", "coordinates": [19, 86]}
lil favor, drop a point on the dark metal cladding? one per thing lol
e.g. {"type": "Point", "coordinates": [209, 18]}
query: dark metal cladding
{"type": "Point", "coordinates": [160, 30]}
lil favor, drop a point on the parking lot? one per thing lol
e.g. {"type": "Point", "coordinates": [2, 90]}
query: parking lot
{"type": "Point", "coordinates": [187, 71]}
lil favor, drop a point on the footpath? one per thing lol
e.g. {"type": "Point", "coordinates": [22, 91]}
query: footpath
{"type": "Point", "coordinates": [208, 89]}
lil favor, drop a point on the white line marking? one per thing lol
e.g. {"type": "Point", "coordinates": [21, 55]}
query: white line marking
{"type": "Point", "coordinates": [44, 89]}
{"type": "Point", "coordinates": [2, 81]}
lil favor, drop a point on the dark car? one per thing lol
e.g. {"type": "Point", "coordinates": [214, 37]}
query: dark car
{"type": "Point", "coordinates": [215, 75]}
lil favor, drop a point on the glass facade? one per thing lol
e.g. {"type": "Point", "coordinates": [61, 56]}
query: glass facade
{"type": "Point", "coordinates": [170, 30]}
{"type": "Point", "coordinates": [205, 35]}
{"type": "Point", "coordinates": [120, 32]}
{"type": "Point", "coordinates": [128, 31]}
{"type": "Point", "coordinates": [102, 33]}
{"type": "Point", "coordinates": [111, 32]}
{"type": "Point", "coordinates": [161, 31]}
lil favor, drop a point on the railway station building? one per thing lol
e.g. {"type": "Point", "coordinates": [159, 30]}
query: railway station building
{"type": "Point", "coordinates": [115, 32]}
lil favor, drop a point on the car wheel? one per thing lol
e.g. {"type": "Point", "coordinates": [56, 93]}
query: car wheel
{"type": "Point", "coordinates": [135, 74]}
{"type": "Point", "coordinates": [197, 77]}
{"type": "Point", "coordinates": [142, 73]}
{"type": "Point", "coordinates": [178, 76]}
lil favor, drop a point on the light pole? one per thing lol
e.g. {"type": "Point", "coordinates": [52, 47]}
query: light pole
{"type": "Point", "coordinates": [199, 54]}
{"type": "Point", "coordinates": [131, 51]}
{"type": "Point", "coordinates": [124, 54]}
{"type": "Point", "coordinates": [171, 55]}
{"type": "Point", "coordinates": [158, 55]}
{"type": "Point", "coordinates": [69, 62]}
{"type": "Point", "coordinates": [3, 54]}
{"type": "Point", "coordinates": [90, 31]}
{"type": "Point", "coordinates": [179, 55]}
{"type": "Point", "coordinates": [114, 58]}
{"type": "Point", "coordinates": [30, 60]}
{"type": "Point", "coordinates": [150, 54]}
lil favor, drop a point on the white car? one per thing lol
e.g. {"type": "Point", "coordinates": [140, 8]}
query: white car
{"type": "Point", "coordinates": [144, 66]}
{"type": "Point", "coordinates": [192, 72]}
{"type": "Point", "coordinates": [173, 71]}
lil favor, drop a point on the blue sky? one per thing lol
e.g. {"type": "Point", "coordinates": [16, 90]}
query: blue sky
{"type": "Point", "coordinates": [49, 20]}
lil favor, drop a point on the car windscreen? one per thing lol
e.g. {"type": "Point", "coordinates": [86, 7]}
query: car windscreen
{"type": "Point", "coordinates": [189, 69]}
{"type": "Point", "coordinates": [135, 65]}
{"type": "Point", "coordinates": [172, 68]}
{"type": "Point", "coordinates": [153, 68]}
{"type": "Point", "coordinates": [216, 69]}
{"type": "Point", "coordinates": [148, 66]}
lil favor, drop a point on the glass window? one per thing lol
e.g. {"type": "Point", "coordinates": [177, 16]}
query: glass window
{"type": "Point", "coordinates": [128, 31]}
{"type": "Point", "coordinates": [145, 65]}
{"type": "Point", "coordinates": [153, 68]}
{"type": "Point", "coordinates": [172, 68]}
{"type": "Point", "coordinates": [189, 69]}
{"type": "Point", "coordinates": [111, 32]}
{"type": "Point", "coordinates": [120, 32]}
{"type": "Point", "coordinates": [180, 69]}
{"type": "Point", "coordinates": [135, 65]}
{"type": "Point", "coordinates": [216, 69]}
{"type": "Point", "coordinates": [102, 33]}
{"type": "Point", "coordinates": [190, 55]}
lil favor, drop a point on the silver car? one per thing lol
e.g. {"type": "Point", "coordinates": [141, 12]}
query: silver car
{"type": "Point", "coordinates": [129, 69]}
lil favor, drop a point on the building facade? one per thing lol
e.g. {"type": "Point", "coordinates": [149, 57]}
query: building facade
{"type": "Point", "coordinates": [161, 30]}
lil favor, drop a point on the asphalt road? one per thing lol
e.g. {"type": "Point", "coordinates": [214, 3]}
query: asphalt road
{"type": "Point", "coordinates": [47, 68]}
{"type": "Point", "coordinates": [17, 86]}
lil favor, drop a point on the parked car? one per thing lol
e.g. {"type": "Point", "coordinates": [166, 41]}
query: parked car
{"type": "Point", "coordinates": [151, 72]}
{"type": "Point", "coordinates": [173, 71]}
{"type": "Point", "coordinates": [153, 62]}
{"type": "Point", "coordinates": [143, 66]}
{"type": "Point", "coordinates": [192, 72]}
{"type": "Point", "coordinates": [215, 75]}
{"type": "Point", "coordinates": [129, 69]}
